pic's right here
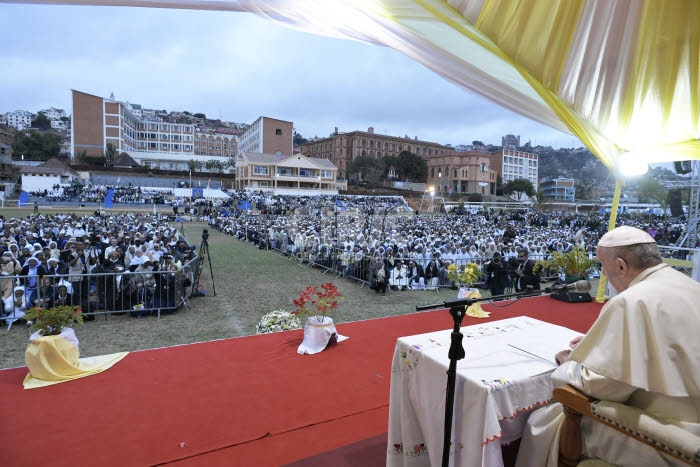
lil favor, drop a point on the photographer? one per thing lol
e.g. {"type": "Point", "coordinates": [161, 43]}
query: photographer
{"type": "Point", "coordinates": [526, 275]}
{"type": "Point", "coordinates": [497, 275]}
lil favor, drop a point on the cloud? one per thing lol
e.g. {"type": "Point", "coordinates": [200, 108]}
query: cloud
{"type": "Point", "coordinates": [238, 66]}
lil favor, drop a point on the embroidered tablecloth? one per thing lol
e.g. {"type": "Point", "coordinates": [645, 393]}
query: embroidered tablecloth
{"type": "Point", "coordinates": [498, 385]}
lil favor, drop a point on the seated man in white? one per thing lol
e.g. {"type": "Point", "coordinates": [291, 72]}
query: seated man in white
{"type": "Point", "coordinates": [643, 351]}
{"type": "Point", "coordinates": [398, 278]}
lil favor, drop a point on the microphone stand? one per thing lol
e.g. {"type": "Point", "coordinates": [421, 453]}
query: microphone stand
{"type": "Point", "coordinates": [457, 311]}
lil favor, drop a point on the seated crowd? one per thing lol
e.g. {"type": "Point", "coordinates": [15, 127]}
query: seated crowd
{"type": "Point", "coordinates": [416, 251]}
{"type": "Point", "coordinates": [128, 262]}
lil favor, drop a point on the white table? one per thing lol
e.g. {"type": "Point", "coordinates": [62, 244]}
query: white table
{"type": "Point", "coordinates": [497, 387]}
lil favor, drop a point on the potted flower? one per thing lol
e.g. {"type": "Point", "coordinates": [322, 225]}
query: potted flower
{"type": "Point", "coordinates": [314, 304]}
{"type": "Point", "coordinates": [278, 320]}
{"type": "Point", "coordinates": [52, 321]}
{"type": "Point", "coordinates": [464, 278]}
{"type": "Point", "coordinates": [573, 264]}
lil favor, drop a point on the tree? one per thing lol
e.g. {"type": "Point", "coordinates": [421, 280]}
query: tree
{"type": "Point", "coordinates": [230, 164]}
{"type": "Point", "coordinates": [298, 140]}
{"type": "Point", "coordinates": [651, 191]}
{"type": "Point", "coordinates": [41, 122]}
{"type": "Point", "coordinates": [519, 186]}
{"type": "Point", "coordinates": [199, 115]}
{"type": "Point", "coordinates": [110, 153]}
{"type": "Point", "coordinates": [192, 164]}
{"type": "Point", "coordinates": [365, 168]}
{"type": "Point", "coordinates": [412, 167]}
{"type": "Point", "coordinates": [477, 143]}
{"type": "Point", "coordinates": [36, 146]}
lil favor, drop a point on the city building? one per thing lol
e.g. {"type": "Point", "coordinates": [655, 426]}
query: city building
{"type": "Point", "coordinates": [46, 176]}
{"type": "Point", "coordinates": [287, 174]}
{"type": "Point", "coordinates": [343, 148]}
{"type": "Point", "coordinates": [222, 142]}
{"type": "Point", "coordinates": [53, 113]}
{"type": "Point", "coordinates": [462, 172]}
{"type": "Point", "coordinates": [512, 164]}
{"type": "Point", "coordinates": [510, 141]}
{"type": "Point", "coordinates": [268, 136]}
{"type": "Point", "coordinates": [559, 189]}
{"type": "Point", "coordinates": [152, 142]}
{"type": "Point", "coordinates": [19, 119]}
{"type": "Point", "coordinates": [6, 139]}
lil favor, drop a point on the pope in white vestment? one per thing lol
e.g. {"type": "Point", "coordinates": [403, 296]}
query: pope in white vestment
{"type": "Point", "coordinates": [643, 351]}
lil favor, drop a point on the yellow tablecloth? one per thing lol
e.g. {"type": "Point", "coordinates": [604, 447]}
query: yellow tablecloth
{"type": "Point", "coordinates": [53, 360]}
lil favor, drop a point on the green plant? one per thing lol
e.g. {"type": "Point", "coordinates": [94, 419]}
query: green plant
{"type": "Point", "coordinates": [317, 301]}
{"type": "Point", "coordinates": [278, 320]}
{"type": "Point", "coordinates": [50, 321]}
{"type": "Point", "coordinates": [573, 263]}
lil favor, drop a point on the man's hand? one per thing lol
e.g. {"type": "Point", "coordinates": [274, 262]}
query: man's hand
{"type": "Point", "coordinates": [562, 357]}
{"type": "Point", "coordinates": [574, 342]}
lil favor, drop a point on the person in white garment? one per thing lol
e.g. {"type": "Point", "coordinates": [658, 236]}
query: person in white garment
{"type": "Point", "coordinates": [642, 351]}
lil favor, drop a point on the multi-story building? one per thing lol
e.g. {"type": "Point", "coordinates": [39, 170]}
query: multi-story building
{"type": "Point", "coordinates": [510, 141]}
{"type": "Point", "coordinates": [343, 148]}
{"type": "Point", "coordinates": [290, 174]}
{"type": "Point", "coordinates": [98, 122]}
{"type": "Point", "coordinates": [221, 142]}
{"type": "Point", "coordinates": [268, 136]}
{"type": "Point", "coordinates": [512, 164]}
{"type": "Point", "coordinates": [53, 113]}
{"type": "Point", "coordinates": [19, 119]}
{"type": "Point", "coordinates": [462, 172]}
{"type": "Point", "coordinates": [3, 119]}
{"type": "Point", "coordinates": [560, 189]}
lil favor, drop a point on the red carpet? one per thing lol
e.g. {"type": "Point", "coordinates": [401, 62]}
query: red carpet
{"type": "Point", "coordinates": [242, 401]}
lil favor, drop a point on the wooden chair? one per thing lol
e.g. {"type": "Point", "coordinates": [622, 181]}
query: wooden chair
{"type": "Point", "coordinates": [631, 421]}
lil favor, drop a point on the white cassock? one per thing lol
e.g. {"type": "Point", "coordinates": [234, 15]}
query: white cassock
{"type": "Point", "coordinates": [643, 351]}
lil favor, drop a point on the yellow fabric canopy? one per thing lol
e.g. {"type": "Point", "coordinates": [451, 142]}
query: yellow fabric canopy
{"type": "Point", "coordinates": [623, 76]}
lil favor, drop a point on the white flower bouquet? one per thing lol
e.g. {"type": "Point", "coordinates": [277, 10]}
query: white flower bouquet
{"type": "Point", "coordinates": [278, 320]}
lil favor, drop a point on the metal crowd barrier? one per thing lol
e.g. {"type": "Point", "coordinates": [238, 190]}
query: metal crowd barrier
{"type": "Point", "coordinates": [108, 293]}
{"type": "Point", "coordinates": [358, 267]}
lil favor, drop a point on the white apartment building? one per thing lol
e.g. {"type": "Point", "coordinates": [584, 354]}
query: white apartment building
{"type": "Point", "coordinates": [512, 164]}
{"type": "Point", "coordinates": [19, 119]}
{"type": "Point", "coordinates": [53, 113]}
{"type": "Point", "coordinates": [268, 136]}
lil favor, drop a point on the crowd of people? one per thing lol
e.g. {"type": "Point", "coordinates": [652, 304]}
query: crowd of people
{"type": "Point", "coordinates": [128, 262]}
{"type": "Point", "coordinates": [417, 250]}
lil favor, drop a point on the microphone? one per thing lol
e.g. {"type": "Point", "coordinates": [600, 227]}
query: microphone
{"type": "Point", "coordinates": [578, 286]}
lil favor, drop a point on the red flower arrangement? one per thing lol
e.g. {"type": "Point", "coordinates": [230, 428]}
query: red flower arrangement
{"type": "Point", "coordinates": [317, 301]}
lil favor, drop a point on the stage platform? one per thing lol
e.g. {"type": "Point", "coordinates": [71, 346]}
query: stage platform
{"type": "Point", "coordinates": [242, 401]}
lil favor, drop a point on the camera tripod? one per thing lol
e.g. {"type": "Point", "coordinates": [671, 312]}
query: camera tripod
{"type": "Point", "coordinates": [203, 252]}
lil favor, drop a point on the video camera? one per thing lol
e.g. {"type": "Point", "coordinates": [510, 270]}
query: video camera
{"type": "Point", "coordinates": [205, 235]}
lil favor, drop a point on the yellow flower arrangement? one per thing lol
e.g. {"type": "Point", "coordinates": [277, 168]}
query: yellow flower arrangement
{"type": "Point", "coordinates": [573, 263]}
{"type": "Point", "coordinates": [467, 276]}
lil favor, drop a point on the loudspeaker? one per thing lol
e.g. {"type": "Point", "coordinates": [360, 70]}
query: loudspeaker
{"type": "Point", "coordinates": [683, 167]}
{"type": "Point", "coordinates": [572, 297]}
{"type": "Point", "coordinates": [674, 202]}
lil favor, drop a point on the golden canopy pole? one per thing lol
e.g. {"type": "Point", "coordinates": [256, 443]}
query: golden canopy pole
{"type": "Point", "coordinates": [611, 225]}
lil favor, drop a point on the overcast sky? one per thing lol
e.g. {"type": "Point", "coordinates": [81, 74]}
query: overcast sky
{"type": "Point", "coordinates": [237, 67]}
